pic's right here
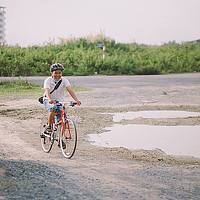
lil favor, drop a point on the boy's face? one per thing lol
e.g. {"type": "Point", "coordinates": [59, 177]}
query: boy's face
{"type": "Point", "coordinates": [56, 74]}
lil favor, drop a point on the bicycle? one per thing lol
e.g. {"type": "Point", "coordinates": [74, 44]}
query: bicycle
{"type": "Point", "coordinates": [64, 132]}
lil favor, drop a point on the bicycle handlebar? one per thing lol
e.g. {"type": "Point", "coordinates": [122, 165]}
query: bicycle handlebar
{"type": "Point", "coordinates": [71, 103]}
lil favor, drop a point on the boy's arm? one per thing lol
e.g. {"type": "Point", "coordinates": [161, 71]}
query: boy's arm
{"type": "Point", "coordinates": [73, 95]}
{"type": "Point", "coordinates": [48, 95]}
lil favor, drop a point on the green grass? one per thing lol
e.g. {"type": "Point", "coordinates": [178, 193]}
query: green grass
{"type": "Point", "coordinates": [19, 87]}
{"type": "Point", "coordinates": [25, 88]}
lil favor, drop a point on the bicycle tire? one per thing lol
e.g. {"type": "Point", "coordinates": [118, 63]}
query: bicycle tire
{"type": "Point", "coordinates": [71, 144]}
{"type": "Point", "coordinates": [47, 140]}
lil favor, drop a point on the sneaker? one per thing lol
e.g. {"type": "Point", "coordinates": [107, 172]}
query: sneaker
{"type": "Point", "coordinates": [42, 135]}
{"type": "Point", "coordinates": [63, 145]}
{"type": "Point", "coordinates": [48, 130]}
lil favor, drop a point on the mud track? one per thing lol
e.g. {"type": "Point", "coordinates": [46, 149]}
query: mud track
{"type": "Point", "coordinates": [93, 173]}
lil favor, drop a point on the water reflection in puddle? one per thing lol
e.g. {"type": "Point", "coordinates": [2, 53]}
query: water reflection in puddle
{"type": "Point", "coordinates": [177, 140]}
{"type": "Point", "coordinates": [117, 117]}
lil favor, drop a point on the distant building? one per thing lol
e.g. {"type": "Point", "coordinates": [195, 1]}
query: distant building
{"type": "Point", "coordinates": [2, 25]}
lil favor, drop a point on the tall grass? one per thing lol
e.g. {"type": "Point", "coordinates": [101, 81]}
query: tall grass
{"type": "Point", "coordinates": [82, 57]}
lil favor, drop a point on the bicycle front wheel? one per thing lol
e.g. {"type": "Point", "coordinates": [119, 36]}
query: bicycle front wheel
{"type": "Point", "coordinates": [46, 140]}
{"type": "Point", "coordinates": [68, 138]}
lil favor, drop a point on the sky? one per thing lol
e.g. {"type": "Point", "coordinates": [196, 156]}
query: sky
{"type": "Point", "coordinates": [31, 22]}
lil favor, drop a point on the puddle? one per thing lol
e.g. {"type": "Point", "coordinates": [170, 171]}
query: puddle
{"type": "Point", "coordinates": [117, 117]}
{"type": "Point", "coordinates": [176, 140]}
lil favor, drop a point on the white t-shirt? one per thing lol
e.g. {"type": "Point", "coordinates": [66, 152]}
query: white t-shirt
{"type": "Point", "coordinates": [60, 93]}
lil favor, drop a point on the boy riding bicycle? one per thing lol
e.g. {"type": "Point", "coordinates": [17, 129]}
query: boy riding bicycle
{"type": "Point", "coordinates": [53, 96]}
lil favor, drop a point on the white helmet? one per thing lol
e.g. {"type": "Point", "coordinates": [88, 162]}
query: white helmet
{"type": "Point", "coordinates": [56, 66]}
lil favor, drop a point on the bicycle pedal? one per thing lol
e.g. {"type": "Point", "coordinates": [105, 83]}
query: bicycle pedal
{"type": "Point", "coordinates": [48, 132]}
{"type": "Point", "coordinates": [42, 135]}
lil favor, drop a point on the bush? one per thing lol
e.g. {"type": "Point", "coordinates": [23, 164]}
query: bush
{"type": "Point", "coordinates": [147, 70]}
{"type": "Point", "coordinates": [82, 57]}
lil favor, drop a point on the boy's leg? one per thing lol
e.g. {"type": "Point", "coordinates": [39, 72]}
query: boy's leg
{"type": "Point", "coordinates": [50, 120]}
{"type": "Point", "coordinates": [51, 114]}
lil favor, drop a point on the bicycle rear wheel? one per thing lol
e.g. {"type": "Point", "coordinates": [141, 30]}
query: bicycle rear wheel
{"type": "Point", "coordinates": [68, 144]}
{"type": "Point", "coordinates": [47, 140]}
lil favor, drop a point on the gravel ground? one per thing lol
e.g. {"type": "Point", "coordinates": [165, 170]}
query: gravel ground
{"type": "Point", "coordinates": [36, 180]}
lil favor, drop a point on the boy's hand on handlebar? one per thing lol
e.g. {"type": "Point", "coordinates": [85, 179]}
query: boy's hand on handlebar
{"type": "Point", "coordinates": [78, 102]}
{"type": "Point", "coordinates": [52, 101]}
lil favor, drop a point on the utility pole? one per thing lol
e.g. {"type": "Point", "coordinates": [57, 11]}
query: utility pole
{"type": "Point", "coordinates": [2, 25]}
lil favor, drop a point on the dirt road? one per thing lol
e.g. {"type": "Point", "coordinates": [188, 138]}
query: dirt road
{"type": "Point", "coordinates": [93, 173]}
